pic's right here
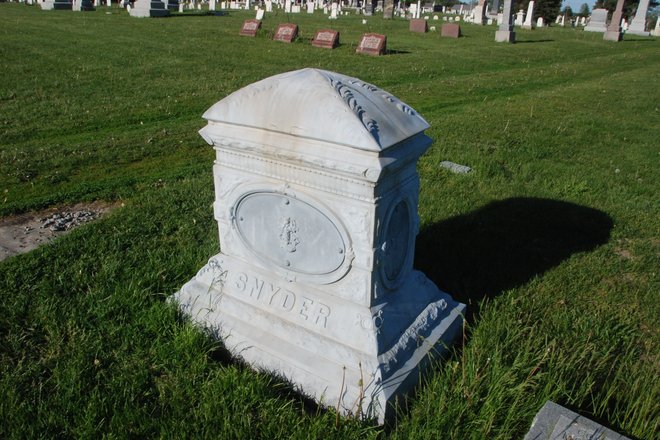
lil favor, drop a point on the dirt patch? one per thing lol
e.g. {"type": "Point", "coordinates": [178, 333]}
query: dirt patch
{"type": "Point", "coordinates": [25, 232]}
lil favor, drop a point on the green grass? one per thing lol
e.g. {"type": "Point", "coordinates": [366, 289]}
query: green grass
{"type": "Point", "coordinates": [553, 240]}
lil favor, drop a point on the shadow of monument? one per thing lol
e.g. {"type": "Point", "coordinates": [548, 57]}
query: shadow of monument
{"type": "Point", "coordinates": [504, 244]}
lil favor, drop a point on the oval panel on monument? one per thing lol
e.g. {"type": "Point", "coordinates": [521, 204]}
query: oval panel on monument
{"type": "Point", "coordinates": [289, 233]}
{"type": "Point", "coordinates": [396, 248]}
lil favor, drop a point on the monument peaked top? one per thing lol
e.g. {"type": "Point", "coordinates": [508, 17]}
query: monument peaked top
{"type": "Point", "coordinates": [322, 105]}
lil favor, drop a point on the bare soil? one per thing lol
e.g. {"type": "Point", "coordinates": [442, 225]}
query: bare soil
{"type": "Point", "coordinates": [24, 232]}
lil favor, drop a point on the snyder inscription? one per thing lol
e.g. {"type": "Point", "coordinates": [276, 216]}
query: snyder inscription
{"type": "Point", "coordinates": [303, 307]}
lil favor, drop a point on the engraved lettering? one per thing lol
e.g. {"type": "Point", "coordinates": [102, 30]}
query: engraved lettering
{"type": "Point", "coordinates": [304, 308]}
{"type": "Point", "coordinates": [322, 315]}
{"type": "Point", "coordinates": [371, 42]}
{"type": "Point", "coordinates": [258, 287]}
{"type": "Point", "coordinates": [273, 291]}
{"type": "Point", "coordinates": [271, 295]}
{"type": "Point", "coordinates": [241, 282]}
{"type": "Point", "coordinates": [325, 36]}
{"type": "Point", "coordinates": [288, 301]}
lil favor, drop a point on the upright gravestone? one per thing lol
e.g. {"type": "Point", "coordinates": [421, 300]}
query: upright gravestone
{"type": "Point", "coordinates": [149, 8]}
{"type": "Point", "coordinates": [505, 33]}
{"type": "Point", "coordinates": [638, 24]}
{"type": "Point", "coordinates": [520, 18]}
{"type": "Point", "coordinates": [528, 23]}
{"type": "Point", "coordinates": [418, 25]}
{"type": "Point", "coordinates": [613, 32]}
{"type": "Point", "coordinates": [316, 194]}
{"type": "Point", "coordinates": [372, 44]}
{"type": "Point", "coordinates": [598, 21]}
{"type": "Point", "coordinates": [450, 30]}
{"type": "Point", "coordinates": [479, 12]}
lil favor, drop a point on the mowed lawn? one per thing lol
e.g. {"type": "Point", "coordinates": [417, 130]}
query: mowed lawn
{"type": "Point", "coordinates": [553, 240]}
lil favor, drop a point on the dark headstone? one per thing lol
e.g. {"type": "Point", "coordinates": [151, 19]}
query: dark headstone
{"type": "Point", "coordinates": [451, 30]}
{"type": "Point", "coordinates": [286, 32]}
{"type": "Point", "coordinates": [418, 25]}
{"type": "Point", "coordinates": [326, 38]}
{"type": "Point", "coordinates": [372, 44]}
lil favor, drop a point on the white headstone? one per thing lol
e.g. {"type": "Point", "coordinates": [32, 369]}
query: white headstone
{"type": "Point", "coordinates": [310, 7]}
{"type": "Point", "coordinates": [315, 281]}
{"type": "Point", "coordinates": [539, 22]}
{"type": "Point", "coordinates": [527, 24]}
{"type": "Point", "coordinates": [598, 21]}
{"type": "Point", "coordinates": [260, 14]}
{"type": "Point", "coordinates": [287, 6]}
{"type": "Point", "coordinates": [638, 24]}
{"type": "Point", "coordinates": [656, 31]}
{"type": "Point", "coordinates": [520, 18]}
{"type": "Point", "coordinates": [333, 13]}
{"type": "Point", "coordinates": [269, 6]}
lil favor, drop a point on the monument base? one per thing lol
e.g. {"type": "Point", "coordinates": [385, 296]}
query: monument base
{"type": "Point", "coordinates": [347, 356]}
{"type": "Point", "coordinates": [612, 36]}
{"type": "Point", "coordinates": [505, 36]}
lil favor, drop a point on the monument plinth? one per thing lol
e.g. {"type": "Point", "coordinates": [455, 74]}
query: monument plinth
{"type": "Point", "coordinates": [316, 193]}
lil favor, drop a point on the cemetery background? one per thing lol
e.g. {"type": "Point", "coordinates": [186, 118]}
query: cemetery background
{"type": "Point", "coordinates": [552, 240]}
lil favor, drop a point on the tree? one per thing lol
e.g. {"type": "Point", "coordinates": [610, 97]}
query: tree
{"type": "Point", "coordinates": [584, 10]}
{"type": "Point", "coordinates": [567, 11]}
{"type": "Point", "coordinates": [548, 9]}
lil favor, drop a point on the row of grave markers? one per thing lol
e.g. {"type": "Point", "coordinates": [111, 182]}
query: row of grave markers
{"type": "Point", "coordinates": [370, 43]}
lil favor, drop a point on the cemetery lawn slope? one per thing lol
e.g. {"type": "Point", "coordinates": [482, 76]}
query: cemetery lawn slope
{"type": "Point", "coordinates": [552, 240]}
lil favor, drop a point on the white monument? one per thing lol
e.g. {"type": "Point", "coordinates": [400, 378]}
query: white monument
{"type": "Point", "coordinates": [520, 18]}
{"type": "Point", "coordinates": [505, 33]}
{"type": "Point", "coordinates": [149, 8]}
{"type": "Point", "coordinates": [638, 24]}
{"type": "Point", "coordinates": [316, 194]}
{"type": "Point", "coordinates": [598, 21]}
{"type": "Point", "coordinates": [528, 23]}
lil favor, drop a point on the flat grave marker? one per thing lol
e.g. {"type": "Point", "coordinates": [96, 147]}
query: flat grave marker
{"type": "Point", "coordinates": [326, 38]}
{"type": "Point", "coordinates": [250, 28]}
{"type": "Point", "coordinates": [286, 32]}
{"type": "Point", "coordinates": [372, 44]}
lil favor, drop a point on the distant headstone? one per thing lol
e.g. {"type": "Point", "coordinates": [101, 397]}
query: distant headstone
{"type": "Point", "coordinates": [457, 18]}
{"type": "Point", "coordinates": [181, 5]}
{"type": "Point", "coordinates": [479, 13]}
{"type": "Point", "coordinates": [418, 25]}
{"type": "Point", "coordinates": [598, 21]}
{"type": "Point", "coordinates": [149, 8]}
{"type": "Point", "coordinates": [260, 14]}
{"type": "Point", "coordinates": [505, 33]}
{"type": "Point", "coordinates": [314, 280]}
{"type": "Point", "coordinates": [520, 18]}
{"type": "Point", "coordinates": [250, 28]}
{"type": "Point", "coordinates": [435, 17]}
{"type": "Point", "coordinates": [310, 7]}
{"type": "Point", "coordinates": [326, 38]}
{"type": "Point", "coordinates": [451, 30]}
{"type": "Point", "coordinates": [286, 32]}
{"type": "Point", "coordinates": [372, 44]}
{"type": "Point", "coordinates": [212, 5]}
{"type": "Point", "coordinates": [295, 9]}
{"type": "Point", "coordinates": [528, 24]}
{"type": "Point", "coordinates": [554, 422]}
{"type": "Point", "coordinates": [269, 6]}
{"type": "Point", "coordinates": [539, 22]}
{"type": "Point", "coordinates": [638, 24]}
{"type": "Point", "coordinates": [455, 167]}
{"type": "Point", "coordinates": [334, 10]}
{"type": "Point", "coordinates": [613, 32]}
